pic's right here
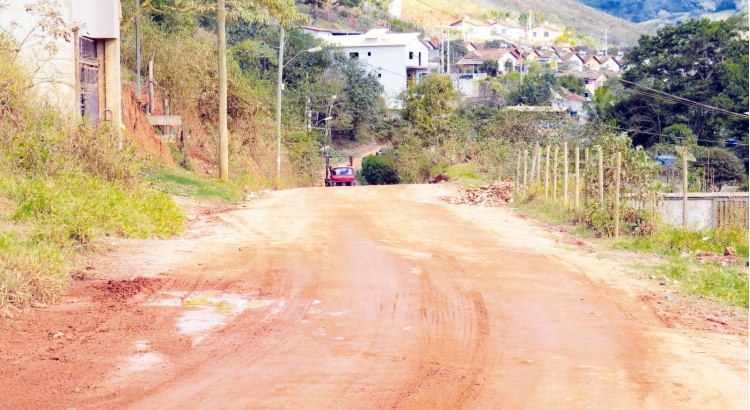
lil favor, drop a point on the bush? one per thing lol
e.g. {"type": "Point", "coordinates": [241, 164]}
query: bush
{"type": "Point", "coordinates": [376, 170]}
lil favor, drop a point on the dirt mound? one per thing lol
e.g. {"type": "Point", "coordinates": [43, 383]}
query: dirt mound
{"type": "Point", "coordinates": [122, 290]}
{"type": "Point", "coordinates": [136, 122]}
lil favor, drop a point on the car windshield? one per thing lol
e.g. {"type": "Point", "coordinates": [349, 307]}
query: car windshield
{"type": "Point", "coordinates": [343, 171]}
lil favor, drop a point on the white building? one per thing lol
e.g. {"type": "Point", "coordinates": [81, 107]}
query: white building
{"type": "Point", "coordinates": [544, 34]}
{"type": "Point", "coordinates": [74, 60]}
{"type": "Point", "coordinates": [508, 30]}
{"type": "Point", "coordinates": [472, 30]}
{"type": "Point", "coordinates": [393, 58]}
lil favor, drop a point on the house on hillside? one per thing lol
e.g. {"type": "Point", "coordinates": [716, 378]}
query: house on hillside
{"type": "Point", "coordinates": [590, 62]}
{"type": "Point", "coordinates": [393, 57]}
{"type": "Point", "coordinates": [571, 62]}
{"type": "Point", "coordinates": [549, 58]}
{"type": "Point", "coordinates": [507, 60]}
{"type": "Point", "coordinates": [74, 62]}
{"type": "Point", "coordinates": [608, 63]}
{"type": "Point", "coordinates": [471, 29]}
{"type": "Point", "coordinates": [544, 34]}
{"type": "Point", "coordinates": [508, 30]}
{"type": "Point", "coordinates": [592, 80]}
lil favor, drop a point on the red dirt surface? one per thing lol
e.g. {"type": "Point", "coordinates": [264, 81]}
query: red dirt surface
{"type": "Point", "coordinates": [365, 297]}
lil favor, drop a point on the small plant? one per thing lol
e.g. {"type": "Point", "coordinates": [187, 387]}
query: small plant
{"type": "Point", "coordinates": [376, 170]}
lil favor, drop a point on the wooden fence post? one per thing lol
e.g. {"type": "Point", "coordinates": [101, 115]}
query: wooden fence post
{"type": "Point", "coordinates": [601, 177]}
{"type": "Point", "coordinates": [684, 187]}
{"type": "Point", "coordinates": [554, 181]}
{"type": "Point", "coordinates": [518, 170]}
{"type": "Point", "coordinates": [585, 174]}
{"type": "Point", "coordinates": [525, 168]}
{"type": "Point", "coordinates": [578, 176]}
{"type": "Point", "coordinates": [532, 171]}
{"type": "Point", "coordinates": [618, 160]}
{"type": "Point", "coordinates": [546, 175]}
{"type": "Point", "coordinates": [565, 173]}
{"type": "Point", "coordinates": [538, 163]}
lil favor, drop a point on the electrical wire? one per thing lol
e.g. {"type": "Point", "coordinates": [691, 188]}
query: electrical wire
{"type": "Point", "coordinates": [680, 100]}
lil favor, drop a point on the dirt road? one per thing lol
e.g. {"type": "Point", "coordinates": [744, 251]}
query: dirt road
{"type": "Point", "coordinates": [362, 297]}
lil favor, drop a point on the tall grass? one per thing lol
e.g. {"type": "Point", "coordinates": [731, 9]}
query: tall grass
{"type": "Point", "coordinates": [63, 185]}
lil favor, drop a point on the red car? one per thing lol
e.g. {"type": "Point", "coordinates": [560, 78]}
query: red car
{"type": "Point", "coordinates": [342, 175]}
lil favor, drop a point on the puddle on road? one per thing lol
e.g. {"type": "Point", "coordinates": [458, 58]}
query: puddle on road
{"type": "Point", "coordinates": [209, 310]}
{"type": "Point", "coordinates": [142, 361]}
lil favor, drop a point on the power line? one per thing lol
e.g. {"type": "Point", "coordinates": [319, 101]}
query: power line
{"type": "Point", "coordinates": [681, 100]}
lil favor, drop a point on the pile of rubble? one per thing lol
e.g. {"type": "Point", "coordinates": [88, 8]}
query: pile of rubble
{"type": "Point", "coordinates": [497, 193]}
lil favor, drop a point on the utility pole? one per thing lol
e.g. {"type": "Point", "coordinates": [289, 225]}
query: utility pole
{"type": "Point", "coordinates": [442, 49]}
{"type": "Point", "coordinates": [138, 50]}
{"type": "Point", "coordinates": [606, 42]}
{"type": "Point", "coordinates": [448, 52]}
{"type": "Point", "coordinates": [223, 139]}
{"type": "Point", "coordinates": [278, 102]}
{"type": "Point", "coordinates": [528, 28]}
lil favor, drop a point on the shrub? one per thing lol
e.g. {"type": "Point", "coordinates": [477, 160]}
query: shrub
{"type": "Point", "coordinates": [376, 170]}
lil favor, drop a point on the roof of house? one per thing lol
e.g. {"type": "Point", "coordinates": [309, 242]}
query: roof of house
{"type": "Point", "coordinates": [469, 21]}
{"type": "Point", "coordinates": [508, 24]}
{"type": "Point", "coordinates": [591, 75]}
{"type": "Point", "coordinates": [604, 59]}
{"type": "Point", "coordinates": [313, 28]}
{"type": "Point", "coordinates": [575, 97]}
{"type": "Point", "coordinates": [491, 54]}
{"type": "Point", "coordinates": [587, 58]}
{"type": "Point", "coordinates": [373, 38]}
{"type": "Point", "coordinates": [547, 27]}
{"type": "Point", "coordinates": [546, 54]}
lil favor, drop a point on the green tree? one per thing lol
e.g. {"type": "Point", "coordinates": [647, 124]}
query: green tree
{"type": "Point", "coordinates": [701, 60]}
{"type": "Point", "coordinates": [490, 67]}
{"type": "Point", "coordinates": [723, 166]}
{"type": "Point", "coordinates": [535, 90]}
{"type": "Point", "coordinates": [428, 106]}
{"type": "Point", "coordinates": [572, 84]}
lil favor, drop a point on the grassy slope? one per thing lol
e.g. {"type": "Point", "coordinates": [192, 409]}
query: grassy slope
{"type": "Point", "coordinates": [586, 20]}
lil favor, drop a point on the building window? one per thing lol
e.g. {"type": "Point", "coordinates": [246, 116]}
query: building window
{"type": "Point", "coordinates": [369, 54]}
{"type": "Point", "coordinates": [533, 34]}
{"type": "Point", "coordinates": [411, 55]}
{"type": "Point", "coordinates": [380, 75]}
{"type": "Point", "coordinates": [353, 55]}
{"type": "Point", "coordinates": [546, 34]}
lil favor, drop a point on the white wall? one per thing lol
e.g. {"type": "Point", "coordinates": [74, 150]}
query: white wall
{"type": "Point", "coordinates": [53, 72]}
{"type": "Point", "coordinates": [390, 62]}
{"type": "Point", "coordinates": [53, 69]}
{"type": "Point", "coordinates": [97, 18]}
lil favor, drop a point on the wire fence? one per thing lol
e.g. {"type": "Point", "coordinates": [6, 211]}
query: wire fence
{"type": "Point", "coordinates": [616, 190]}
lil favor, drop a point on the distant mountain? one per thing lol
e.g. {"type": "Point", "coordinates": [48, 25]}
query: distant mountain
{"type": "Point", "coordinates": [585, 19]}
{"type": "Point", "coordinates": [643, 10]}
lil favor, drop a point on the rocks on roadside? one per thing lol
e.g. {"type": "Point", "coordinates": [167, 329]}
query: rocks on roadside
{"type": "Point", "coordinates": [498, 193]}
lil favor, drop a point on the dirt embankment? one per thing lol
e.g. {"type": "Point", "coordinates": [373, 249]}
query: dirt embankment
{"type": "Point", "coordinates": [202, 152]}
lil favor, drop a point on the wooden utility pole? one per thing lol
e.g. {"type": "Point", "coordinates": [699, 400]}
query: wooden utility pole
{"type": "Point", "coordinates": [554, 182]}
{"type": "Point", "coordinates": [578, 177]}
{"type": "Point", "coordinates": [618, 160]}
{"type": "Point", "coordinates": [546, 175]}
{"type": "Point", "coordinates": [539, 163]}
{"type": "Point", "coordinates": [223, 138]}
{"type": "Point", "coordinates": [601, 177]}
{"type": "Point", "coordinates": [684, 187]}
{"type": "Point", "coordinates": [279, 86]}
{"type": "Point", "coordinates": [150, 87]}
{"type": "Point", "coordinates": [518, 171]}
{"type": "Point", "coordinates": [585, 175]}
{"type": "Point", "coordinates": [565, 173]}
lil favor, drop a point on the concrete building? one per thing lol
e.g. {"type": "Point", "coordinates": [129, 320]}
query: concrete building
{"type": "Point", "coordinates": [393, 58]}
{"type": "Point", "coordinates": [508, 30]}
{"type": "Point", "coordinates": [72, 51]}
{"type": "Point", "coordinates": [544, 34]}
{"type": "Point", "coordinates": [471, 30]}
